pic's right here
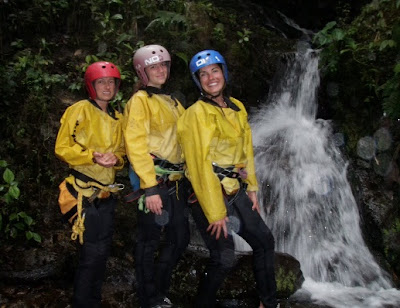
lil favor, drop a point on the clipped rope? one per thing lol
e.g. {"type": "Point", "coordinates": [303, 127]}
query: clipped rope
{"type": "Point", "coordinates": [78, 227]}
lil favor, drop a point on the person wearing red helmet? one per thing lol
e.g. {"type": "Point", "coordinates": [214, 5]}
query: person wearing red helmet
{"type": "Point", "coordinates": [90, 141]}
{"type": "Point", "coordinates": [217, 144]}
{"type": "Point", "coordinates": [152, 149]}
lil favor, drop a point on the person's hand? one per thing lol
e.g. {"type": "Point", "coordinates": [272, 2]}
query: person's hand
{"type": "Point", "coordinates": [253, 197]}
{"type": "Point", "coordinates": [218, 226]}
{"type": "Point", "coordinates": [154, 204]}
{"type": "Point", "coordinates": [106, 160]}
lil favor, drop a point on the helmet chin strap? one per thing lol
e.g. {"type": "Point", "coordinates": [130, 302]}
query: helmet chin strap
{"type": "Point", "coordinates": [214, 96]}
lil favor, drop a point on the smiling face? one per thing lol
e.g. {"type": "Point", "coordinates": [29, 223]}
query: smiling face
{"type": "Point", "coordinates": [105, 88]}
{"type": "Point", "coordinates": [212, 79]}
{"type": "Point", "coordinates": [157, 74]}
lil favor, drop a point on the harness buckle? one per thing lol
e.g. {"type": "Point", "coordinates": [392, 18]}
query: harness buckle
{"type": "Point", "coordinates": [117, 186]}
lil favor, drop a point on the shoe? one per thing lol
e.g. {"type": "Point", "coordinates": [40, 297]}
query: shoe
{"type": "Point", "coordinates": [163, 303]}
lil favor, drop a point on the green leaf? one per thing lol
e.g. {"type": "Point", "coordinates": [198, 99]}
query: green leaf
{"type": "Point", "coordinates": [19, 226]}
{"type": "Point", "coordinates": [13, 232]}
{"type": "Point", "coordinates": [329, 26]}
{"type": "Point", "coordinates": [3, 163]}
{"type": "Point", "coordinates": [338, 34]}
{"type": "Point", "coordinates": [28, 235]}
{"type": "Point", "coordinates": [387, 43]}
{"type": "Point", "coordinates": [37, 237]}
{"type": "Point", "coordinates": [183, 56]}
{"type": "Point", "coordinates": [352, 44]}
{"type": "Point", "coordinates": [28, 220]}
{"type": "Point", "coordinates": [8, 176]}
{"type": "Point", "coordinates": [23, 215]}
{"type": "Point", "coordinates": [117, 16]}
{"type": "Point", "coordinates": [88, 58]}
{"type": "Point", "coordinates": [397, 67]}
{"type": "Point", "coordinates": [14, 191]}
{"type": "Point", "coordinates": [13, 216]}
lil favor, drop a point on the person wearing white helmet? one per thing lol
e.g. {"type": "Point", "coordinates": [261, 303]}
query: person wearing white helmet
{"type": "Point", "coordinates": [90, 141]}
{"type": "Point", "coordinates": [217, 144]}
{"type": "Point", "coordinates": [156, 157]}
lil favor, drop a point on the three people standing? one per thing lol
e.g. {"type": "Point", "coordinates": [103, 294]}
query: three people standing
{"type": "Point", "coordinates": [213, 136]}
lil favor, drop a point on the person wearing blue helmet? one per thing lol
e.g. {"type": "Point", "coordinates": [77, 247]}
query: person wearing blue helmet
{"type": "Point", "coordinates": [217, 144]}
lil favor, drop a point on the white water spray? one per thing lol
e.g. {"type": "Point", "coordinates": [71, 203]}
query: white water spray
{"type": "Point", "coordinates": [310, 207]}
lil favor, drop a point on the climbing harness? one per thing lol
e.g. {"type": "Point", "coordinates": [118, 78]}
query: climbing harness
{"type": "Point", "coordinates": [230, 173]}
{"type": "Point", "coordinates": [100, 191]}
{"type": "Point", "coordinates": [163, 169]}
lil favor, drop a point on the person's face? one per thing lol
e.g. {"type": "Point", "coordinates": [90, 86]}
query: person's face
{"type": "Point", "coordinates": [157, 74]}
{"type": "Point", "coordinates": [212, 79]}
{"type": "Point", "coordinates": [105, 88]}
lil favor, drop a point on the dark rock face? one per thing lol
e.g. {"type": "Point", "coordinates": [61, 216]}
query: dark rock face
{"type": "Point", "coordinates": [43, 277]}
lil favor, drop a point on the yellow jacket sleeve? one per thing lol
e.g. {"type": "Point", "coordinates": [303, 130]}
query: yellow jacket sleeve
{"type": "Point", "coordinates": [196, 130]}
{"type": "Point", "coordinates": [67, 147]}
{"type": "Point", "coordinates": [136, 133]}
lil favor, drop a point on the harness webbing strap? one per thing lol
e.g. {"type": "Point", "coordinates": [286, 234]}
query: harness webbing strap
{"type": "Point", "coordinates": [78, 227]}
{"type": "Point", "coordinates": [225, 172]}
{"type": "Point", "coordinates": [163, 168]}
{"type": "Point", "coordinates": [83, 177]}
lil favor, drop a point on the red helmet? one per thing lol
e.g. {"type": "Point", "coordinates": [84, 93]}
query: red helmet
{"type": "Point", "coordinates": [99, 70]}
{"type": "Point", "coordinates": [149, 55]}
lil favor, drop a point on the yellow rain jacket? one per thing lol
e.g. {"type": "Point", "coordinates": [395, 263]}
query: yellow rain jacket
{"type": "Point", "coordinates": [150, 127]}
{"type": "Point", "coordinates": [85, 129]}
{"type": "Point", "coordinates": [210, 134]}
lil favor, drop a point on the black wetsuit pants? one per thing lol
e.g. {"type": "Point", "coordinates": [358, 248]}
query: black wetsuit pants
{"type": "Point", "coordinates": [93, 254]}
{"type": "Point", "coordinates": [154, 277]}
{"type": "Point", "coordinates": [222, 255]}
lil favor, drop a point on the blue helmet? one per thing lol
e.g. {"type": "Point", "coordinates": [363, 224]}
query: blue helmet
{"type": "Point", "coordinates": [205, 58]}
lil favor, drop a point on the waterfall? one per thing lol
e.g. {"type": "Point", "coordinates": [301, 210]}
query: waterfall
{"type": "Point", "coordinates": [307, 199]}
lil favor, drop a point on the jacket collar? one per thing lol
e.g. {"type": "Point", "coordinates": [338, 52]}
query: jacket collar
{"type": "Point", "coordinates": [110, 109]}
{"type": "Point", "coordinates": [153, 90]}
{"type": "Point", "coordinates": [228, 102]}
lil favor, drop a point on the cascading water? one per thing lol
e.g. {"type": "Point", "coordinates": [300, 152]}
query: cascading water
{"type": "Point", "coordinates": [307, 199]}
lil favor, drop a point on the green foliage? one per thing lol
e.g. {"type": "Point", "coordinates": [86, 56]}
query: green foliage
{"type": "Point", "coordinates": [285, 281]}
{"type": "Point", "coordinates": [391, 93]}
{"type": "Point", "coordinates": [391, 240]}
{"type": "Point", "coordinates": [170, 20]}
{"type": "Point", "coordinates": [361, 58]}
{"type": "Point", "coordinates": [13, 222]}
{"type": "Point", "coordinates": [244, 36]}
